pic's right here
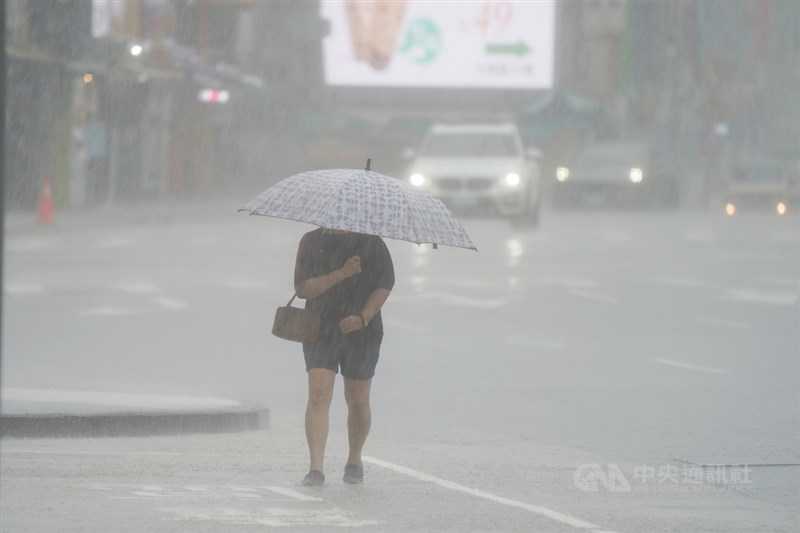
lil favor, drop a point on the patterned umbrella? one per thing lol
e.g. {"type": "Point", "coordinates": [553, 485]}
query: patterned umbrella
{"type": "Point", "coordinates": [362, 201]}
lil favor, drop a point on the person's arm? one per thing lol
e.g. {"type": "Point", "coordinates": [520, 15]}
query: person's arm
{"type": "Point", "coordinates": [374, 303]}
{"type": "Point", "coordinates": [313, 287]}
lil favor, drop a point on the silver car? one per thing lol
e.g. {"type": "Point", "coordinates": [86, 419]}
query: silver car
{"type": "Point", "coordinates": [480, 168]}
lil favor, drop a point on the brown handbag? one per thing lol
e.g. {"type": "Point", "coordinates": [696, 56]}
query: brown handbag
{"type": "Point", "coordinates": [295, 323]}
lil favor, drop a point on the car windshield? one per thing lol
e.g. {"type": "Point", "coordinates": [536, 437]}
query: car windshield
{"type": "Point", "coordinates": [470, 145]}
{"type": "Point", "coordinates": [756, 174]}
{"type": "Point", "coordinates": [620, 154]}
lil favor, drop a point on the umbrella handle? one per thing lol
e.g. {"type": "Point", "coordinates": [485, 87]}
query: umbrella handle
{"type": "Point", "coordinates": [368, 164]}
{"type": "Point", "coordinates": [290, 301]}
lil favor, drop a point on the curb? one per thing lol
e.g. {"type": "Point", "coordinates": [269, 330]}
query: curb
{"type": "Point", "coordinates": [133, 424]}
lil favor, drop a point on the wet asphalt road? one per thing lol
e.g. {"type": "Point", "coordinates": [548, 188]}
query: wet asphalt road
{"type": "Point", "coordinates": [415, 480]}
{"type": "Point", "coordinates": [655, 340]}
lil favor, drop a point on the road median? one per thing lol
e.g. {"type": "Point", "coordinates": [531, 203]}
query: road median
{"type": "Point", "coordinates": [44, 412]}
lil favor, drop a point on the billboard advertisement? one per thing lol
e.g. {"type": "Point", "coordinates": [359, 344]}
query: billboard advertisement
{"type": "Point", "coordinates": [399, 43]}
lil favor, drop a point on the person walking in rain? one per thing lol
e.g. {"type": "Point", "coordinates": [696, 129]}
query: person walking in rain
{"type": "Point", "coordinates": [346, 277]}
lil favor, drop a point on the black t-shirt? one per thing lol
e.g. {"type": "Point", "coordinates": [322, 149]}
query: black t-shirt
{"type": "Point", "coordinates": [321, 252]}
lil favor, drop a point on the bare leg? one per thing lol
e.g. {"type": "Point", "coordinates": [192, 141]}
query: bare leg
{"type": "Point", "coordinates": [320, 392]}
{"type": "Point", "coordinates": [359, 416]}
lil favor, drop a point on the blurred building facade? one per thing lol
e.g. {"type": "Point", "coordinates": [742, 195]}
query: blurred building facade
{"type": "Point", "coordinates": [105, 98]}
{"type": "Point", "coordinates": [707, 82]}
{"type": "Point", "coordinates": [230, 93]}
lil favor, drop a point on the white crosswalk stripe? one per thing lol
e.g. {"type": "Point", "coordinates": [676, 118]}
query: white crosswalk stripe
{"type": "Point", "coordinates": [25, 290]}
{"type": "Point", "coordinates": [170, 303]}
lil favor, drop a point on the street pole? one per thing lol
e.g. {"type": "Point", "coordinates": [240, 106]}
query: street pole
{"type": "Point", "coordinates": [2, 166]}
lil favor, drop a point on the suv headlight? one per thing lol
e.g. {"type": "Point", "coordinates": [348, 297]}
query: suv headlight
{"type": "Point", "coordinates": [562, 174]}
{"type": "Point", "coordinates": [512, 179]}
{"type": "Point", "coordinates": [636, 175]}
{"type": "Point", "coordinates": [417, 179]}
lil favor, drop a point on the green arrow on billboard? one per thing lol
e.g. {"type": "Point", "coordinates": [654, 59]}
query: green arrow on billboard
{"type": "Point", "coordinates": [518, 48]}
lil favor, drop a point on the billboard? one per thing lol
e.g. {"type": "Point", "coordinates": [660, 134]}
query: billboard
{"type": "Point", "coordinates": [399, 43]}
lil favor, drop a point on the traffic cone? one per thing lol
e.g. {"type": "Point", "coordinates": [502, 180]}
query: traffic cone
{"type": "Point", "coordinates": [46, 203]}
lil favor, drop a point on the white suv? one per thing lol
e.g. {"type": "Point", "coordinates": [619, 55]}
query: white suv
{"type": "Point", "coordinates": [480, 168]}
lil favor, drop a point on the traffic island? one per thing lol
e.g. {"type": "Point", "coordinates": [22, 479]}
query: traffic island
{"type": "Point", "coordinates": [47, 413]}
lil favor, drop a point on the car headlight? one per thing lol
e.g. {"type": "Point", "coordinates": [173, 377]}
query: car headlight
{"type": "Point", "coordinates": [562, 173]}
{"type": "Point", "coordinates": [417, 180]}
{"type": "Point", "coordinates": [636, 175]}
{"type": "Point", "coordinates": [512, 179]}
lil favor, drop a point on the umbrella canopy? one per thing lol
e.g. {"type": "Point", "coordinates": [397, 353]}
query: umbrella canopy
{"type": "Point", "coordinates": [362, 201]}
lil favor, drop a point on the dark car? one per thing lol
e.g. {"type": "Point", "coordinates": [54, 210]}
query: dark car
{"type": "Point", "coordinates": [762, 183]}
{"type": "Point", "coordinates": [615, 174]}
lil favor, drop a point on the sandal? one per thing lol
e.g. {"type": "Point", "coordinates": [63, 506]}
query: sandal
{"type": "Point", "coordinates": [314, 478]}
{"type": "Point", "coordinates": [353, 474]}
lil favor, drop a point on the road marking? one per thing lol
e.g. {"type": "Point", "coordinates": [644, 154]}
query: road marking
{"type": "Point", "coordinates": [25, 290]}
{"type": "Point", "coordinates": [594, 296]}
{"type": "Point", "coordinates": [536, 509]}
{"type": "Point", "coordinates": [246, 285]}
{"type": "Point", "coordinates": [689, 366]}
{"type": "Point", "coordinates": [79, 452]}
{"type": "Point", "coordinates": [675, 281]}
{"type": "Point", "coordinates": [570, 283]}
{"type": "Point", "coordinates": [458, 300]}
{"type": "Point", "coordinates": [759, 296]}
{"type": "Point", "coordinates": [724, 323]}
{"type": "Point", "coordinates": [28, 245]}
{"type": "Point", "coordinates": [170, 303]}
{"type": "Point", "coordinates": [272, 517]}
{"type": "Point", "coordinates": [211, 503]}
{"type": "Point", "coordinates": [204, 492]}
{"type": "Point", "coordinates": [464, 283]}
{"type": "Point", "coordinates": [109, 311]}
{"type": "Point", "coordinates": [293, 494]}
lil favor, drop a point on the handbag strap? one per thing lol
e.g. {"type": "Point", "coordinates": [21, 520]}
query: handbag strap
{"type": "Point", "coordinates": [290, 301]}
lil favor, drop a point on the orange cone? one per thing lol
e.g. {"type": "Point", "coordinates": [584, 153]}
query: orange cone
{"type": "Point", "coordinates": [46, 203]}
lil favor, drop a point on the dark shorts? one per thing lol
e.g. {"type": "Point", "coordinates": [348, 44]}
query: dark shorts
{"type": "Point", "coordinates": [357, 362]}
